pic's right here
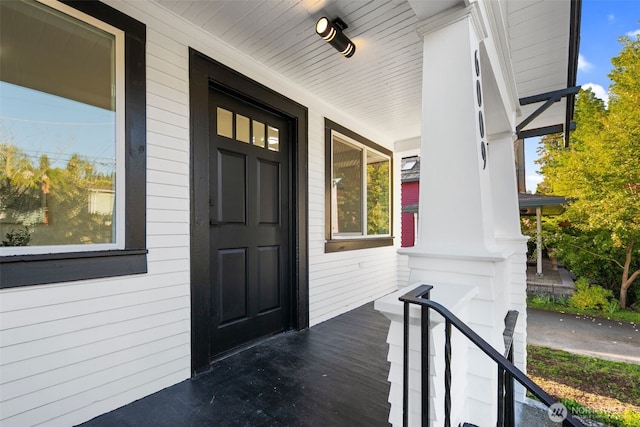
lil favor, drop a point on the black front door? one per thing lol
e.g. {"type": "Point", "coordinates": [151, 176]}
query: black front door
{"type": "Point", "coordinates": [249, 199]}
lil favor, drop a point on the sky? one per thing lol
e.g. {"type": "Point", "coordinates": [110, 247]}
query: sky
{"type": "Point", "coordinates": [43, 124]}
{"type": "Point", "coordinates": [603, 22]}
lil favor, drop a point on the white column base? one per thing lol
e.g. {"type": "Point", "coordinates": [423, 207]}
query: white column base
{"type": "Point", "coordinates": [456, 298]}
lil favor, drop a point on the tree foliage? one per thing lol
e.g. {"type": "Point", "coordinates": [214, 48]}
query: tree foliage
{"type": "Point", "coordinates": [19, 180]}
{"type": "Point", "coordinates": [600, 173]}
{"type": "Point", "coordinates": [44, 205]}
{"type": "Point", "coordinates": [378, 198]}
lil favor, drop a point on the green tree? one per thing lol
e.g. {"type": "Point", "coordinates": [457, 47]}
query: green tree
{"type": "Point", "coordinates": [70, 221]}
{"type": "Point", "coordinates": [41, 205]}
{"type": "Point", "coordinates": [600, 172]}
{"type": "Point", "coordinates": [19, 180]}
{"type": "Point", "coordinates": [378, 198]}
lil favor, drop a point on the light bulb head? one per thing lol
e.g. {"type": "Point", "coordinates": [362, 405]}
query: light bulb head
{"type": "Point", "coordinates": [331, 32]}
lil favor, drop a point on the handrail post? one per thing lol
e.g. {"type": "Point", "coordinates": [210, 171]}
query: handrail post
{"type": "Point", "coordinates": [504, 362]}
{"type": "Point", "coordinates": [510, 413]}
{"type": "Point", "coordinates": [506, 402]}
{"type": "Point", "coordinates": [405, 368]}
{"type": "Point", "coordinates": [447, 373]}
{"type": "Point", "coordinates": [421, 292]}
{"type": "Point", "coordinates": [424, 338]}
{"type": "Point", "coordinates": [501, 396]}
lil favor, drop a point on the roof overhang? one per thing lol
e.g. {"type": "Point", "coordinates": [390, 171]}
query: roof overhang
{"type": "Point", "coordinates": [559, 119]}
{"type": "Point", "coordinates": [381, 85]}
{"type": "Point", "coordinates": [550, 205]}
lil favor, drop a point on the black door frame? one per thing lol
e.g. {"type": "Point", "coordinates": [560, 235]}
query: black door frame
{"type": "Point", "coordinates": [204, 73]}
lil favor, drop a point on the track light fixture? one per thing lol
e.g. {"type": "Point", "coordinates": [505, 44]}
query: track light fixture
{"type": "Point", "coordinates": [331, 32]}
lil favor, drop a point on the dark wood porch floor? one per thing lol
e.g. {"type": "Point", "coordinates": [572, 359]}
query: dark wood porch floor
{"type": "Point", "coordinates": [333, 374]}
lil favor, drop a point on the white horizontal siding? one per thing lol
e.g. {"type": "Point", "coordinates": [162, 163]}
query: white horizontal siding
{"type": "Point", "coordinates": [160, 176]}
{"type": "Point", "coordinates": [403, 270]}
{"type": "Point", "coordinates": [158, 149]}
{"type": "Point", "coordinates": [81, 371]}
{"type": "Point", "coordinates": [340, 281]}
{"type": "Point", "coordinates": [71, 351]}
{"type": "Point", "coordinates": [53, 355]}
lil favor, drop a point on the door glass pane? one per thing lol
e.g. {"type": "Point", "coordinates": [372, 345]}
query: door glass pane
{"type": "Point", "coordinates": [378, 214]}
{"type": "Point", "coordinates": [225, 123]}
{"type": "Point", "coordinates": [274, 139]}
{"type": "Point", "coordinates": [346, 188]}
{"type": "Point", "coordinates": [242, 128]}
{"type": "Point", "coordinates": [58, 130]}
{"type": "Point", "coordinates": [258, 134]}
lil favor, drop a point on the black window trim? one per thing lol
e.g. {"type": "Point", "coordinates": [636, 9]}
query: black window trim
{"type": "Point", "coordinates": [25, 270]}
{"type": "Point", "coordinates": [364, 242]}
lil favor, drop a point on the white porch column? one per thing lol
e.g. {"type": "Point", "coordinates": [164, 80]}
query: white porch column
{"type": "Point", "coordinates": [469, 238]}
{"type": "Point", "coordinates": [539, 241]}
{"type": "Point", "coordinates": [455, 214]}
{"type": "Point", "coordinates": [509, 237]}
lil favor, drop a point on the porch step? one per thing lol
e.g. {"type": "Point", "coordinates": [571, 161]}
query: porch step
{"type": "Point", "coordinates": [554, 282]}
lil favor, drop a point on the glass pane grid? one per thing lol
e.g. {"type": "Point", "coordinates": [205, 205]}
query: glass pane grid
{"type": "Point", "coordinates": [360, 191]}
{"type": "Point", "coordinates": [59, 131]}
{"type": "Point", "coordinates": [258, 137]}
{"type": "Point", "coordinates": [225, 122]}
{"type": "Point", "coordinates": [247, 130]}
{"type": "Point", "coordinates": [346, 189]}
{"type": "Point", "coordinates": [243, 129]}
{"type": "Point", "coordinates": [274, 139]}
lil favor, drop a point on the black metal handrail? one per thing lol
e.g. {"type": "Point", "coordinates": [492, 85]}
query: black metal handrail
{"type": "Point", "coordinates": [506, 398]}
{"type": "Point", "coordinates": [507, 371]}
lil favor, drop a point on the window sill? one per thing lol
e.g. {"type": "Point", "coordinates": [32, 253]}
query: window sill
{"type": "Point", "coordinates": [25, 270]}
{"type": "Point", "coordinates": [354, 244]}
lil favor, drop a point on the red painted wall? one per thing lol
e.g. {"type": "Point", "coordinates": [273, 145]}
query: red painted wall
{"type": "Point", "coordinates": [409, 196]}
{"type": "Point", "coordinates": [408, 239]}
{"type": "Point", "coordinates": [410, 193]}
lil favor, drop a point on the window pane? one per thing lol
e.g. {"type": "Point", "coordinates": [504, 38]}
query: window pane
{"type": "Point", "coordinates": [258, 134]}
{"type": "Point", "coordinates": [346, 188]}
{"type": "Point", "coordinates": [57, 128]}
{"type": "Point", "coordinates": [274, 139]}
{"type": "Point", "coordinates": [225, 123]}
{"type": "Point", "coordinates": [242, 128]}
{"type": "Point", "coordinates": [378, 215]}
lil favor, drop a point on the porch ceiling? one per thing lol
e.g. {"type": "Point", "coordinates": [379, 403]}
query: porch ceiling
{"type": "Point", "coordinates": [381, 84]}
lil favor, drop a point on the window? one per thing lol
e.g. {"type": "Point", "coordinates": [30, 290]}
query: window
{"type": "Point", "coordinates": [72, 142]}
{"type": "Point", "coordinates": [358, 191]}
{"type": "Point", "coordinates": [243, 127]}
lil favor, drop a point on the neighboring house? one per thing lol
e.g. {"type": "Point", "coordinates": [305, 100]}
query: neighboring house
{"type": "Point", "coordinates": [101, 201]}
{"type": "Point", "coordinates": [257, 186]}
{"type": "Point", "coordinates": [410, 190]}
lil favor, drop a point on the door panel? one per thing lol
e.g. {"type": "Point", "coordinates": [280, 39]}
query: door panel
{"type": "Point", "coordinates": [232, 188]}
{"type": "Point", "coordinates": [268, 192]}
{"type": "Point", "coordinates": [232, 299]}
{"type": "Point", "coordinates": [268, 278]}
{"type": "Point", "coordinates": [249, 232]}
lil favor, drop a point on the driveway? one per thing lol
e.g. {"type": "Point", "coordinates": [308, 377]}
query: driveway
{"type": "Point", "coordinates": [606, 339]}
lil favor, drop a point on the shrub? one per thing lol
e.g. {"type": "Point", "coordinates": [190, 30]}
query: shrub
{"type": "Point", "coordinates": [630, 418]}
{"type": "Point", "coordinates": [590, 296]}
{"type": "Point", "coordinates": [582, 284]}
{"type": "Point", "coordinates": [17, 238]}
{"type": "Point", "coordinates": [613, 306]}
{"type": "Point", "coordinates": [542, 299]}
{"type": "Point", "coordinates": [561, 299]}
